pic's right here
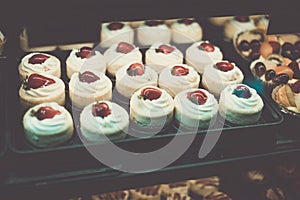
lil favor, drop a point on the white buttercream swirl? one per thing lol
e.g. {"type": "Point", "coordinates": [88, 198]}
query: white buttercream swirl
{"type": "Point", "coordinates": [148, 35]}
{"type": "Point", "coordinates": [158, 61]}
{"type": "Point", "coordinates": [175, 84]}
{"type": "Point", "coordinates": [182, 33]}
{"type": "Point", "coordinates": [199, 59]}
{"type": "Point", "coordinates": [93, 128]}
{"type": "Point", "coordinates": [115, 60]}
{"type": "Point", "coordinates": [127, 85]}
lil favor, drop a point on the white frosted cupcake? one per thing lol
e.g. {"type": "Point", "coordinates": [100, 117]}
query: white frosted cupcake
{"type": "Point", "coordinates": [195, 108]}
{"type": "Point", "coordinates": [217, 76]}
{"type": "Point", "coordinates": [240, 104]}
{"type": "Point", "coordinates": [121, 54]}
{"type": "Point", "coordinates": [39, 63]}
{"type": "Point", "coordinates": [161, 55]}
{"type": "Point", "coordinates": [102, 121]}
{"type": "Point", "coordinates": [40, 88]}
{"type": "Point", "coordinates": [151, 107]}
{"type": "Point", "coordinates": [236, 25]}
{"type": "Point", "coordinates": [134, 76]}
{"type": "Point", "coordinates": [115, 32]}
{"type": "Point", "coordinates": [186, 30]}
{"type": "Point", "coordinates": [201, 54]}
{"type": "Point", "coordinates": [86, 87]}
{"type": "Point", "coordinates": [47, 125]}
{"type": "Point", "coordinates": [83, 59]}
{"type": "Point", "coordinates": [153, 31]}
{"type": "Point", "coordinates": [176, 78]}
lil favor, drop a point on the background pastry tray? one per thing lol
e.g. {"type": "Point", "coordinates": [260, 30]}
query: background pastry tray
{"type": "Point", "coordinates": [233, 136]}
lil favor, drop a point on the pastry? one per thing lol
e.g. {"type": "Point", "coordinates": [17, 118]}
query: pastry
{"type": "Point", "coordinates": [102, 121]}
{"type": "Point", "coordinates": [116, 32]}
{"type": "Point", "coordinates": [151, 107]}
{"type": "Point", "coordinates": [217, 76]}
{"type": "Point", "coordinates": [219, 21]}
{"type": "Point", "coordinates": [134, 76]}
{"type": "Point", "coordinates": [247, 43]}
{"type": "Point", "coordinates": [153, 31]}
{"type": "Point", "coordinates": [263, 22]}
{"type": "Point", "coordinates": [83, 59]}
{"type": "Point", "coordinates": [121, 195]}
{"type": "Point", "coordinates": [39, 63]}
{"type": "Point", "coordinates": [290, 45]}
{"type": "Point", "coordinates": [171, 188]}
{"type": "Point", "coordinates": [40, 88]}
{"type": "Point", "coordinates": [121, 54]}
{"type": "Point", "coordinates": [275, 69]}
{"type": "Point", "coordinates": [201, 54]}
{"type": "Point", "coordinates": [240, 104]}
{"type": "Point", "coordinates": [288, 95]}
{"type": "Point", "coordinates": [178, 77]}
{"type": "Point", "coordinates": [218, 195]}
{"type": "Point", "coordinates": [86, 87]}
{"type": "Point", "coordinates": [48, 125]}
{"type": "Point", "coordinates": [203, 187]}
{"type": "Point", "coordinates": [147, 193]}
{"type": "Point", "coordinates": [161, 55]}
{"type": "Point", "coordinates": [236, 25]}
{"type": "Point", "coordinates": [186, 30]}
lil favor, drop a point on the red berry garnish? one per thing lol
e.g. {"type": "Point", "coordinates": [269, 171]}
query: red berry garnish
{"type": "Point", "coordinates": [186, 21]}
{"type": "Point", "coordinates": [154, 22]}
{"type": "Point", "coordinates": [115, 26]}
{"type": "Point", "coordinates": [35, 81]}
{"type": "Point", "coordinates": [38, 58]}
{"type": "Point", "coordinates": [165, 49]}
{"type": "Point", "coordinates": [85, 52]}
{"type": "Point", "coordinates": [275, 46]}
{"type": "Point", "coordinates": [136, 69]}
{"type": "Point", "coordinates": [101, 110]}
{"type": "Point", "coordinates": [124, 47]}
{"type": "Point", "coordinates": [46, 112]}
{"type": "Point", "coordinates": [179, 71]}
{"type": "Point", "coordinates": [198, 97]}
{"type": "Point", "coordinates": [242, 18]}
{"type": "Point", "coordinates": [206, 47]}
{"type": "Point", "coordinates": [88, 77]}
{"type": "Point", "coordinates": [242, 91]}
{"type": "Point", "coordinates": [224, 66]}
{"type": "Point", "coordinates": [296, 87]}
{"type": "Point", "coordinates": [150, 93]}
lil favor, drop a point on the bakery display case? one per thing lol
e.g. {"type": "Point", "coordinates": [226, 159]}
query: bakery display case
{"type": "Point", "coordinates": [35, 168]}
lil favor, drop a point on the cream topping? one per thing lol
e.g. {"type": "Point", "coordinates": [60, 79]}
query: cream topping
{"type": "Point", "coordinates": [242, 25]}
{"type": "Point", "coordinates": [112, 33]}
{"type": "Point", "coordinates": [194, 30]}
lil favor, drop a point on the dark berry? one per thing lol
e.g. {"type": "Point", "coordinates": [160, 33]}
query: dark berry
{"type": "Point", "coordinates": [150, 93]}
{"type": "Point", "coordinates": [287, 46]}
{"type": "Point", "coordinates": [101, 110]}
{"type": "Point", "coordinates": [270, 74]}
{"type": "Point", "coordinates": [36, 81]}
{"type": "Point", "coordinates": [224, 66]}
{"type": "Point", "coordinates": [242, 18]}
{"type": "Point", "coordinates": [255, 45]}
{"type": "Point", "coordinates": [85, 52]}
{"type": "Point", "coordinates": [254, 55]}
{"type": "Point", "coordinates": [242, 91]}
{"type": "Point", "coordinates": [136, 69]}
{"type": "Point", "coordinates": [88, 77]}
{"type": "Point", "coordinates": [46, 112]}
{"type": "Point", "coordinates": [296, 86]}
{"type": "Point", "coordinates": [154, 22]}
{"type": "Point", "coordinates": [295, 67]}
{"type": "Point", "coordinates": [115, 26]}
{"type": "Point", "coordinates": [124, 47]}
{"type": "Point", "coordinates": [38, 58]}
{"type": "Point", "coordinates": [165, 49]}
{"type": "Point", "coordinates": [260, 69]}
{"type": "Point", "coordinates": [295, 53]}
{"type": "Point", "coordinates": [297, 45]}
{"type": "Point", "coordinates": [186, 21]}
{"type": "Point", "coordinates": [208, 47]}
{"type": "Point", "coordinates": [197, 97]}
{"type": "Point", "coordinates": [275, 46]}
{"type": "Point", "coordinates": [243, 45]}
{"type": "Point", "coordinates": [281, 79]}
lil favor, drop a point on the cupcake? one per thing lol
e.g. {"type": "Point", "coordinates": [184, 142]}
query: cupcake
{"type": "Point", "coordinates": [161, 55]}
{"type": "Point", "coordinates": [85, 58]}
{"type": "Point", "coordinates": [203, 187]}
{"type": "Point", "coordinates": [236, 25]}
{"type": "Point", "coordinates": [88, 86]}
{"type": "Point", "coordinates": [195, 108]}
{"type": "Point", "coordinates": [149, 193]}
{"type": "Point", "coordinates": [153, 31]}
{"type": "Point", "coordinates": [39, 63]}
{"type": "Point", "coordinates": [116, 32]}
{"type": "Point", "coordinates": [186, 30]}
{"type": "Point", "coordinates": [176, 78]}
{"type": "Point", "coordinates": [217, 76]}
{"type": "Point", "coordinates": [134, 76]}
{"type": "Point", "coordinates": [151, 107]}
{"type": "Point", "coordinates": [102, 121]}
{"type": "Point", "coordinates": [201, 54]}
{"type": "Point", "coordinates": [48, 125]}
{"type": "Point", "coordinates": [121, 54]}
{"type": "Point", "coordinates": [40, 88]}
{"type": "Point", "coordinates": [240, 104]}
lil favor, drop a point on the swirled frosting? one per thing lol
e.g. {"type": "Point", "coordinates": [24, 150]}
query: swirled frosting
{"type": "Point", "coordinates": [175, 84]}
{"type": "Point", "coordinates": [144, 110]}
{"type": "Point", "coordinates": [115, 60]}
{"type": "Point", "coordinates": [50, 66]}
{"type": "Point", "coordinates": [148, 35]}
{"type": "Point", "coordinates": [96, 62]}
{"type": "Point", "coordinates": [199, 59]}
{"type": "Point", "coordinates": [191, 113]}
{"type": "Point", "coordinates": [127, 85]}
{"type": "Point", "coordinates": [49, 131]}
{"type": "Point", "coordinates": [93, 89]}
{"type": "Point", "coordinates": [182, 33]}
{"type": "Point", "coordinates": [233, 27]}
{"type": "Point", "coordinates": [158, 61]}
{"type": "Point", "coordinates": [96, 128]}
